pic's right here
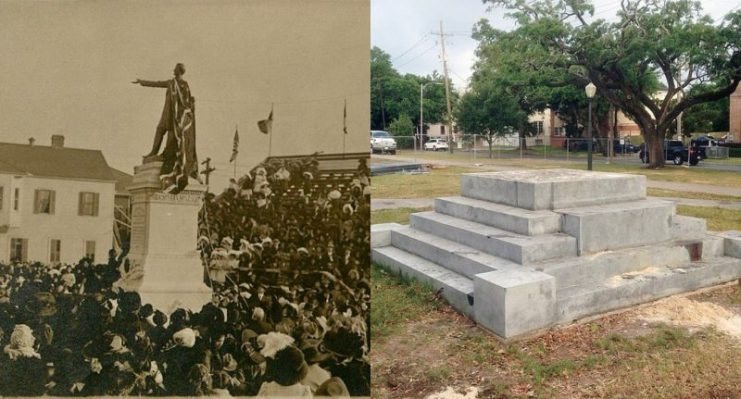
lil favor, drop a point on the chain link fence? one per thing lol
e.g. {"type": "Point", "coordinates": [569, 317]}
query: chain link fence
{"type": "Point", "coordinates": [475, 147]}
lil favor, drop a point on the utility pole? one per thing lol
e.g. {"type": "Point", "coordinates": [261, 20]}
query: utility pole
{"type": "Point", "coordinates": [208, 169]}
{"type": "Point", "coordinates": [444, 57]}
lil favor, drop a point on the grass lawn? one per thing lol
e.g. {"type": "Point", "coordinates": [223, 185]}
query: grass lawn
{"type": "Point", "coordinates": [436, 183]}
{"type": "Point", "coordinates": [396, 215]}
{"type": "Point", "coordinates": [669, 173]}
{"type": "Point", "coordinates": [718, 219]}
{"type": "Point", "coordinates": [421, 346]}
{"type": "Point", "coordinates": [658, 192]}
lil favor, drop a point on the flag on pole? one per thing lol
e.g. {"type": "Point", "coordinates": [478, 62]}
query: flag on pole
{"type": "Point", "coordinates": [266, 125]}
{"type": "Point", "coordinates": [235, 148]}
{"type": "Point", "coordinates": [344, 118]}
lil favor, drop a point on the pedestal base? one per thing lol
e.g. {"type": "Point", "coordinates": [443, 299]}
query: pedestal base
{"type": "Point", "coordinates": [168, 282]}
{"type": "Point", "coordinates": [164, 265]}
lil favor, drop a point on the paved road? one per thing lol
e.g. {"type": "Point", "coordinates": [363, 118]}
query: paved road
{"type": "Point", "coordinates": [666, 185]}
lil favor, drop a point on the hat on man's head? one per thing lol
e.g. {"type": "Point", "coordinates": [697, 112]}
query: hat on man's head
{"type": "Point", "coordinates": [42, 304]}
{"type": "Point", "coordinates": [343, 342]}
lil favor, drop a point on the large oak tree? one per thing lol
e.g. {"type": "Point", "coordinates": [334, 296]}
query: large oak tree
{"type": "Point", "coordinates": [656, 60]}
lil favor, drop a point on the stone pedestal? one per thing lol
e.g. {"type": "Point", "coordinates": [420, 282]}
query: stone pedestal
{"type": "Point", "coordinates": [165, 266]}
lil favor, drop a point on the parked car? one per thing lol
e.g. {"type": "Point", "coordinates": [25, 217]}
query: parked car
{"type": "Point", "coordinates": [381, 141]}
{"type": "Point", "coordinates": [702, 143]}
{"type": "Point", "coordinates": [578, 144]}
{"type": "Point", "coordinates": [625, 148]}
{"type": "Point", "coordinates": [436, 145]}
{"type": "Point", "coordinates": [674, 151]}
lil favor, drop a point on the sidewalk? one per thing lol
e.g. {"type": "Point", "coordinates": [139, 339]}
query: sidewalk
{"type": "Point", "coordinates": [666, 185]}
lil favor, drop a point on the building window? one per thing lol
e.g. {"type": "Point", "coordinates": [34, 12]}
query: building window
{"type": "Point", "coordinates": [90, 250]}
{"type": "Point", "coordinates": [44, 202]}
{"type": "Point", "coordinates": [538, 126]}
{"type": "Point", "coordinates": [558, 131]}
{"type": "Point", "coordinates": [88, 204]}
{"type": "Point", "coordinates": [55, 251]}
{"type": "Point", "coordinates": [16, 198]}
{"type": "Point", "coordinates": [18, 249]}
{"type": "Point", "coordinates": [442, 130]}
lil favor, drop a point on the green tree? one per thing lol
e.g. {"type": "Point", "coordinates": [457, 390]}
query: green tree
{"type": "Point", "coordinates": [641, 63]}
{"type": "Point", "coordinates": [489, 111]}
{"type": "Point", "coordinates": [393, 94]}
{"type": "Point", "coordinates": [402, 126]}
{"type": "Point", "coordinates": [707, 117]}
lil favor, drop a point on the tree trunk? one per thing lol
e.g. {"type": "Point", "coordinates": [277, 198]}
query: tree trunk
{"type": "Point", "coordinates": [655, 144]}
{"type": "Point", "coordinates": [489, 140]}
{"type": "Point", "coordinates": [523, 141]}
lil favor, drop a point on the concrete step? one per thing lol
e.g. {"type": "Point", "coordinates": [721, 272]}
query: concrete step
{"type": "Point", "coordinates": [687, 228]}
{"type": "Point", "coordinates": [586, 269]}
{"type": "Point", "coordinates": [553, 188]}
{"type": "Point", "coordinates": [650, 284]}
{"type": "Point", "coordinates": [517, 220]}
{"type": "Point", "coordinates": [457, 257]}
{"type": "Point", "coordinates": [618, 225]}
{"type": "Point", "coordinates": [456, 289]}
{"type": "Point", "coordinates": [504, 244]}
{"type": "Point", "coordinates": [593, 268]}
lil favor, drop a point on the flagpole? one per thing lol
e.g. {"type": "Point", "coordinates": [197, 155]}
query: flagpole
{"type": "Point", "coordinates": [270, 143]}
{"type": "Point", "coordinates": [270, 132]}
{"type": "Point", "coordinates": [344, 127]}
{"type": "Point", "coordinates": [236, 129]}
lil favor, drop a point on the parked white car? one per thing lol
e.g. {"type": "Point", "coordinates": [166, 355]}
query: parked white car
{"type": "Point", "coordinates": [381, 141]}
{"type": "Point", "coordinates": [436, 145]}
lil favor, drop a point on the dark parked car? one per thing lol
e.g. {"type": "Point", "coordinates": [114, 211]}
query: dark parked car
{"type": "Point", "coordinates": [674, 151]}
{"type": "Point", "coordinates": [625, 148]}
{"type": "Point", "coordinates": [700, 144]}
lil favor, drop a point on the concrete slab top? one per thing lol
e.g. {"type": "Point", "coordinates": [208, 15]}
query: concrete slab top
{"type": "Point", "coordinates": [553, 188]}
{"type": "Point", "coordinates": [550, 175]}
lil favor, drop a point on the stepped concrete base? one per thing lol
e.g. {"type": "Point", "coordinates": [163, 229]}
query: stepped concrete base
{"type": "Point", "coordinates": [688, 228]}
{"type": "Point", "coordinates": [522, 251]}
{"type": "Point", "coordinates": [621, 225]}
{"type": "Point", "coordinates": [381, 234]}
{"type": "Point", "coordinates": [502, 243]}
{"type": "Point", "coordinates": [654, 283]}
{"type": "Point", "coordinates": [515, 301]}
{"type": "Point", "coordinates": [554, 188]}
{"type": "Point", "coordinates": [516, 220]}
{"type": "Point", "coordinates": [451, 255]}
{"type": "Point", "coordinates": [456, 289]}
{"type": "Point", "coordinates": [732, 243]}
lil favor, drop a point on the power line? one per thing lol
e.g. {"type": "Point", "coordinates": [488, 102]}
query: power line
{"type": "Point", "coordinates": [422, 39]}
{"type": "Point", "coordinates": [418, 55]}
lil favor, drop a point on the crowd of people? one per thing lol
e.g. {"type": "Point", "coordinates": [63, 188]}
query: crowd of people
{"type": "Point", "coordinates": [288, 261]}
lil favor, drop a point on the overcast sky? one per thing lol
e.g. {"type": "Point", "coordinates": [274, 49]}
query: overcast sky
{"type": "Point", "coordinates": [67, 69]}
{"type": "Point", "coordinates": [405, 30]}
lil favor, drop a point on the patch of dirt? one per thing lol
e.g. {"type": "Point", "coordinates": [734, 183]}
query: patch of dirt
{"type": "Point", "coordinates": [685, 312]}
{"type": "Point", "coordinates": [444, 355]}
{"type": "Point", "coordinates": [451, 393]}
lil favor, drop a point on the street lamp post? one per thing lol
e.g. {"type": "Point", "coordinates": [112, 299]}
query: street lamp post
{"type": "Point", "coordinates": [421, 109]}
{"type": "Point", "coordinates": [591, 90]}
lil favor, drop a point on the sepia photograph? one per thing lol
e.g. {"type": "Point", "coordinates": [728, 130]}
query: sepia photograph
{"type": "Point", "coordinates": [185, 198]}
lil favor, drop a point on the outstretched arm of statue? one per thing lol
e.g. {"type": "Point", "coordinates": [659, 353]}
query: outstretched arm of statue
{"type": "Point", "coordinates": [151, 83]}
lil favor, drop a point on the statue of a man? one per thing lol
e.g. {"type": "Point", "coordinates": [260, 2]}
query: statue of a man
{"type": "Point", "coordinates": [178, 121]}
